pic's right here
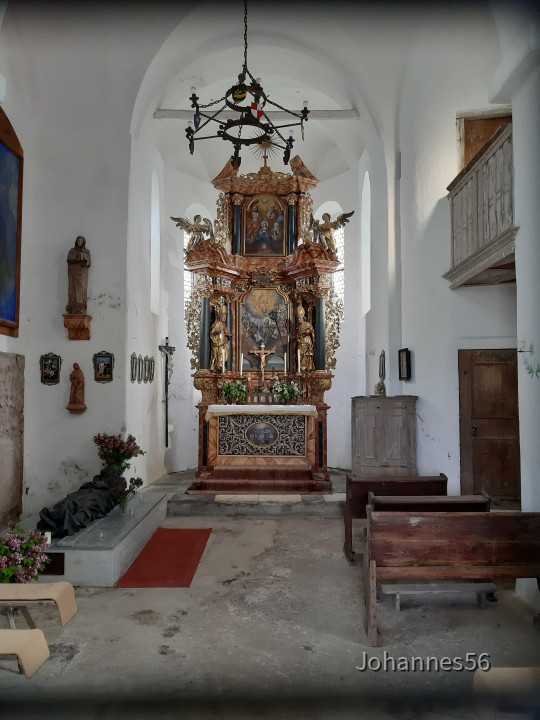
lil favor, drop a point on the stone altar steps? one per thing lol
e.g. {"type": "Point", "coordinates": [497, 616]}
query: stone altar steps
{"type": "Point", "coordinates": [273, 479]}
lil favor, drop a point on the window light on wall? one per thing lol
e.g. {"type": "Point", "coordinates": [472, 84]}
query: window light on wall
{"type": "Point", "coordinates": [338, 278]}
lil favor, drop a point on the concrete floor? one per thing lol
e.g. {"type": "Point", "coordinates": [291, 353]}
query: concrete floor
{"type": "Point", "coordinates": [271, 627]}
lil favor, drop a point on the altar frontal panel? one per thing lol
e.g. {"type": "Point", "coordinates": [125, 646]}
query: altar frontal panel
{"type": "Point", "coordinates": [262, 435]}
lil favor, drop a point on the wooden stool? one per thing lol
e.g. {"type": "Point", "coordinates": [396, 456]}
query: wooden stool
{"type": "Point", "coordinates": [24, 595]}
{"type": "Point", "coordinates": [29, 646]}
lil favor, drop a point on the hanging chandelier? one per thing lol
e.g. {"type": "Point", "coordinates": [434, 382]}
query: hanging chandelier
{"type": "Point", "coordinates": [250, 124]}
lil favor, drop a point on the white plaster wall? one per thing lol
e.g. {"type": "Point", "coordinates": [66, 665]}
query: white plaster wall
{"type": "Point", "coordinates": [438, 321]}
{"type": "Point", "coordinates": [71, 86]}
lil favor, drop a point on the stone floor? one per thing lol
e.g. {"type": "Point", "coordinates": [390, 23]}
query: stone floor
{"type": "Point", "coordinates": [271, 627]}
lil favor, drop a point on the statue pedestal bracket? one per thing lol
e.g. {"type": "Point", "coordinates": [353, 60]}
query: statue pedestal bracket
{"type": "Point", "coordinates": [78, 326]}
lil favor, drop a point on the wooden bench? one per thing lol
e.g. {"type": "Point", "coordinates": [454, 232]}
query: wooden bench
{"type": "Point", "coordinates": [359, 486]}
{"type": "Point", "coordinates": [447, 546]}
{"type": "Point", "coordinates": [429, 503]}
{"type": "Point", "coordinates": [25, 595]}
{"type": "Point", "coordinates": [28, 646]}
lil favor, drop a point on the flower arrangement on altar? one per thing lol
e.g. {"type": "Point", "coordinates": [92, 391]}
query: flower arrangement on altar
{"type": "Point", "coordinates": [22, 555]}
{"type": "Point", "coordinates": [114, 450]}
{"type": "Point", "coordinates": [234, 390]}
{"type": "Point", "coordinates": [286, 391]}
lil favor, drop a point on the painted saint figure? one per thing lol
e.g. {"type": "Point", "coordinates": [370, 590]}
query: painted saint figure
{"type": "Point", "coordinates": [219, 338]}
{"type": "Point", "coordinates": [305, 341]}
{"type": "Point", "coordinates": [78, 261]}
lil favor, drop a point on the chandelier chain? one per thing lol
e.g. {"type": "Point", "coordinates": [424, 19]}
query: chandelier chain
{"type": "Point", "coordinates": [245, 35]}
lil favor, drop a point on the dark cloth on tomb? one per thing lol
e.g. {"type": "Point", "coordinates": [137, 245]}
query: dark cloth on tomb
{"type": "Point", "coordinates": [91, 501]}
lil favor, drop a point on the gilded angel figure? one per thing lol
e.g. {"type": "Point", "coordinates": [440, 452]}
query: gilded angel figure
{"type": "Point", "coordinates": [323, 231]}
{"type": "Point", "coordinates": [196, 229]}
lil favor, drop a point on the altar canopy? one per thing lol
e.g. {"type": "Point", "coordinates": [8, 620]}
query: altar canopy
{"type": "Point", "coordinates": [263, 320]}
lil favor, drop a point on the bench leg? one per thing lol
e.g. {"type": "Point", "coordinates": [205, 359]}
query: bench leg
{"type": "Point", "coordinates": [26, 612]}
{"type": "Point", "coordinates": [398, 602]}
{"type": "Point", "coordinates": [371, 597]}
{"type": "Point", "coordinates": [347, 545]}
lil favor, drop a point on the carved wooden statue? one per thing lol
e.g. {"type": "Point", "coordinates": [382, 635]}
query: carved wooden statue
{"type": "Point", "coordinates": [219, 337]}
{"type": "Point", "coordinates": [78, 261]}
{"type": "Point", "coordinates": [323, 232]}
{"type": "Point", "coordinates": [305, 341]}
{"type": "Point", "coordinates": [76, 395]}
{"type": "Point", "coordinates": [196, 229]}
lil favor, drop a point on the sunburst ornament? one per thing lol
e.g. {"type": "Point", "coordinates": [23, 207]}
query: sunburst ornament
{"type": "Point", "coordinates": [266, 148]}
{"type": "Point", "coordinates": [250, 124]}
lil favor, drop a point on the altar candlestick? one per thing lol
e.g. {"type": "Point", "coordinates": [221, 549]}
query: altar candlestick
{"type": "Point", "coordinates": [299, 368]}
{"type": "Point", "coordinates": [223, 361]}
{"type": "Point", "coordinates": [241, 362]}
{"type": "Point", "coordinates": [285, 364]}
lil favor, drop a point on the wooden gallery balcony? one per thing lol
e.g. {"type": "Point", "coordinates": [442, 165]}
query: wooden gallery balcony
{"type": "Point", "coordinates": [482, 204]}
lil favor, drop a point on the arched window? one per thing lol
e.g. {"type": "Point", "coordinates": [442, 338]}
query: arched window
{"type": "Point", "coordinates": [365, 244]}
{"type": "Point", "coordinates": [155, 245]}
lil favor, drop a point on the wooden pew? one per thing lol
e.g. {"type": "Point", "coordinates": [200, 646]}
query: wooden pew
{"type": "Point", "coordinates": [429, 503]}
{"type": "Point", "coordinates": [447, 546]}
{"type": "Point", "coordinates": [358, 487]}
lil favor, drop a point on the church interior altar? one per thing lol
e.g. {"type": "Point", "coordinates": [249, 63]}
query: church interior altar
{"type": "Point", "coordinates": [260, 448]}
{"type": "Point", "coordinates": [263, 326]}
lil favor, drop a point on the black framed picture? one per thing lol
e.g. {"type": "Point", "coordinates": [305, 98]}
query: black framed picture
{"type": "Point", "coordinates": [404, 359]}
{"type": "Point", "coordinates": [49, 366]}
{"type": "Point", "coordinates": [140, 369]}
{"type": "Point", "coordinates": [151, 369]}
{"type": "Point", "coordinates": [103, 366]}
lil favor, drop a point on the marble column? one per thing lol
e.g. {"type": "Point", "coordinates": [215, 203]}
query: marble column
{"type": "Point", "coordinates": [320, 335]}
{"type": "Point", "coordinates": [237, 225]}
{"type": "Point", "coordinates": [204, 340]}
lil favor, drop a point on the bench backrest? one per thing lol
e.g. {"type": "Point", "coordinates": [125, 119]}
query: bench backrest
{"type": "Point", "coordinates": [508, 540]}
{"type": "Point", "coordinates": [429, 503]}
{"type": "Point", "coordinates": [358, 486]}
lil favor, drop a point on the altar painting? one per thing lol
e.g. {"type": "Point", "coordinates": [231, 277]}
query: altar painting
{"type": "Point", "coordinates": [265, 222]}
{"type": "Point", "coordinates": [264, 318]}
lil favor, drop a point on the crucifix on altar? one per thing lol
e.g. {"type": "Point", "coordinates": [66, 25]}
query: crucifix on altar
{"type": "Point", "coordinates": [262, 353]}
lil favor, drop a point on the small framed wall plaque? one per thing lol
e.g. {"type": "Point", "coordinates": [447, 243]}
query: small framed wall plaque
{"type": "Point", "coordinates": [133, 367]}
{"type": "Point", "coordinates": [103, 366]}
{"type": "Point", "coordinates": [151, 369]}
{"type": "Point", "coordinates": [140, 369]}
{"type": "Point", "coordinates": [404, 357]}
{"type": "Point", "coordinates": [49, 366]}
{"type": "Point", "coordinates": [146, 375]}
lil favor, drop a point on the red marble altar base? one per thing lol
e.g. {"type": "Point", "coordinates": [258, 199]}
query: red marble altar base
{"type": "Point", "coordinates": [249, 480]}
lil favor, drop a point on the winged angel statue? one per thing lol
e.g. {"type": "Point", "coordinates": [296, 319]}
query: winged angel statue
{"type": "Point", "coordinates": [196, 229]}
{"type": "Point", "coordinates": [323, 232]}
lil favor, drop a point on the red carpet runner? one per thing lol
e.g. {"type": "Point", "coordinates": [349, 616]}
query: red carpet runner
{"type": "Point", "coordinates": [169, 559]}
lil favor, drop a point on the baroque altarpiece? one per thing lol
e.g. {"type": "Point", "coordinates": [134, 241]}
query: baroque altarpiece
{"type": "Point", "coordinates": [263, 313]}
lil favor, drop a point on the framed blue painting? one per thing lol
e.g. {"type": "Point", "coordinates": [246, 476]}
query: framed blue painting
{"type": "Point", "coordinates": [11, 170]}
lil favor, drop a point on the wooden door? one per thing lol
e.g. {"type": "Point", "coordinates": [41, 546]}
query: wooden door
{"type": "Point", "coordinates": [11, 436]}
{"type": "Point", "coordinates": [489, 424]}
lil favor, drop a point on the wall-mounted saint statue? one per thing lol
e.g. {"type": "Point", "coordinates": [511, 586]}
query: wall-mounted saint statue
{"type": "Point", "coordinates": [197, 229]}
{"type": "Point", "coordinates": [305, 341]}
{"type": "Point", "coordinates": [76, 394]}
{"type": "Point", "coordinates": [323, 232]}
{"type": "Point", "coordinates": [78, 261]}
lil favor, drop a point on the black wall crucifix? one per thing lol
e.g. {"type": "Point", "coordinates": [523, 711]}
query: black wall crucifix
{"type": "Point", "coordinates": [167, 350]}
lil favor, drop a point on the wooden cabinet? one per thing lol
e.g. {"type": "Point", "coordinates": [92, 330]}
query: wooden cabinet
{"type": "Point", "coordinates": [384, 435]}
